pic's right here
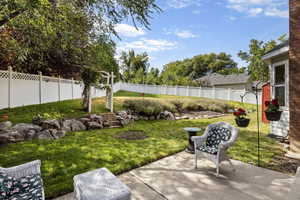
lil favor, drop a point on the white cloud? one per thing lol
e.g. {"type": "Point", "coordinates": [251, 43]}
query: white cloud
{"type": "Point", "coordinates": [277, 13]}
{"type": "Point", "coordinates": [255, 11]}
{"type": "Point", "coordinates": [128, 31]}
{"type": "Point", "coordinates": [148, 45]}
{"type": "Point", "coordinates": [183, 3]}
{"type": "Point", "coordinates": [185, 34]}
{"type": "Point", "coordinates": [274, 8]}
{"type": "Point", "coordinates": [179, 33]}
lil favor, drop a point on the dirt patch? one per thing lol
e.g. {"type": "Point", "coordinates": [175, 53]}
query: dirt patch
{"type": "Point", "coordinates": [199, 115]}
{"type": "Point", "coordinates": [132, 135]}
{"type": "Point", "coordinates": [285, 164]}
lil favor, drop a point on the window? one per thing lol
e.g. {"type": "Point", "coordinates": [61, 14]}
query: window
{"type": "Point", "coordinates": [279, 84]}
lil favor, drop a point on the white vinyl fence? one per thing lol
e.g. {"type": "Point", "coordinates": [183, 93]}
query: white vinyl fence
{"type": "Point", "coordinates": [212, 93]}
{"type": "Point", "coordinates": [19, 89]}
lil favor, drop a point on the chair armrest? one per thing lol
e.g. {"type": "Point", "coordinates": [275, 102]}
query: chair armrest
{"type": "Point", "coordinates": [26, 169]}
{"type": "Point", "coordinates": [198, 140]}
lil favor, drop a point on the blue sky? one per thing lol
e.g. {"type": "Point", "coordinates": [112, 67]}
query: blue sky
{"type": "Point", "coordinates": [187, 28]}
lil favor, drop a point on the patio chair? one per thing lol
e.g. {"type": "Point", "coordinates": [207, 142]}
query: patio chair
{"type": "Point", "coordinates": [25, 172]}
{"type": "Point", "coordinates": [215, 141]}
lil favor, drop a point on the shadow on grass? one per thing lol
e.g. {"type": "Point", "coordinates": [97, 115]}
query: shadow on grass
{"type": "Point", "coordinates": [83, 151]}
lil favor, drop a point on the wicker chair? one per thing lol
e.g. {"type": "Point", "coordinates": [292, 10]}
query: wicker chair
{"type": "Point", "coordinates": [214, 143]}
{"type": "Point", "coordinates": [23, 170]}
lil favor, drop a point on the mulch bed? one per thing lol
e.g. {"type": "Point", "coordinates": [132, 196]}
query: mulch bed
{"type": "Point", "coordinates": [132, 135]}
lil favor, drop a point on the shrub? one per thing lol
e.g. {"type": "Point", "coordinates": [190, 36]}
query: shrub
{"type": "Point", "coordinates": [144, 107]}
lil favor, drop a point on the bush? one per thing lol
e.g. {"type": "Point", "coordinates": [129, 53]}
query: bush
{"type": "Point", "coordinates": [144, 107]}
{"type": "Point", "coordinates": [203, 105]}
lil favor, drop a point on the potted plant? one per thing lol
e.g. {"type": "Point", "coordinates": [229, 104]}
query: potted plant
{"type": "Point", "coordinates": [241, 118]}
{"type": "Point", "coordinates": [273, 112]}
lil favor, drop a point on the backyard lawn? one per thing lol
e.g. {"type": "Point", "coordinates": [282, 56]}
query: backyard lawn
{"type": "Point", "coordinates": [83, 151]}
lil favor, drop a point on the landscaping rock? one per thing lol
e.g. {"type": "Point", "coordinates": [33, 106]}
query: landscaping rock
{"type": "Point", "coordinates": [96, 118]}
{"type": "Point", "coordinates": [11, 136]}
{"type": "Point", "coordinates": [31, 134]}
{"type": "Point", "coordinates": [5, 126]}
{"type": "Point", "coordinates": [93, 125]}
{"type": "Point", "coordinates": [24, 128]}
{"type": "Point", "coordinates": [84, 120]}
{"type": "Point", "coordinates": [166, 115]}
{"type": "Point", "coordinates": [72, 125]}
{"type": "Point", "coordinates": [45, 135]}
{"type": "Point", "coordinates": [50, 124]}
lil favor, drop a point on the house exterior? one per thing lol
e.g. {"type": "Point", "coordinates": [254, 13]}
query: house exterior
{"type": "Point", "coordinates": [284, 63]}
{"type": "Point", "coordinates": [232, 81]}
{"type": "Point", "coordinates": [278, 61]}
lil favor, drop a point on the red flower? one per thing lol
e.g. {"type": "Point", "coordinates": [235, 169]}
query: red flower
{"type": "Point", "coordinates": [267, 103]}
{"type": "Point", "coordinates": [275, 102]}
{"type": "Point", "coordinates": [241, 110]}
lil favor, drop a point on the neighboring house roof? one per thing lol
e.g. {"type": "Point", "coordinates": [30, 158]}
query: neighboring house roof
{"type": "Point", "coordinates": [219, 79]}
{"type": "Point", "coordinates": [278, 50]}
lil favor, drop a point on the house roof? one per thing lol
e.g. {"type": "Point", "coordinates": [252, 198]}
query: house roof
{"type": "Point", "coordinates": [219, 79]}
{"type": "Point", "coordinates": [278, 50]}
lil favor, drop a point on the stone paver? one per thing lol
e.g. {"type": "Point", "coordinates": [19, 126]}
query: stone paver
{"type": "Point", "coordinates": [174, 178]}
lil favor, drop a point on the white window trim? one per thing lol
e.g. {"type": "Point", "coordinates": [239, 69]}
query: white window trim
{"type": "Point", "coordinates": [286, 84]}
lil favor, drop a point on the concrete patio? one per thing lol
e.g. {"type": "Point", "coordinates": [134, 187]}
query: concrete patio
{"type": "Point", "coordinates": [174, 178]}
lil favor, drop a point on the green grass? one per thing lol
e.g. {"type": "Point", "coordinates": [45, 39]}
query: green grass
{"type": "Point", "coordinates": [83, 151]}
{"type": "Point", "coordinates": [73, 108]}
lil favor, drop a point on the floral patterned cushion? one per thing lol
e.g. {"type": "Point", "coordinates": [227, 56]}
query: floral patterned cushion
{"type": "Point", "coordinates": [215, 136]}
{"type": "Point", "coordinates": [28, 187]}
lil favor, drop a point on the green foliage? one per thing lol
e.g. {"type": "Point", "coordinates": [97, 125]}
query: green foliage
{"type": "Point", "coordinates": [205, 105]}
{"type": "Point", "coordinates": [145, 107]}
{"type": "Point", "coordinates": [186, 71]}
{"type": "Point", "coordinates": [134, 66]}
{"type": "Point", "coordinates": [257, 68]}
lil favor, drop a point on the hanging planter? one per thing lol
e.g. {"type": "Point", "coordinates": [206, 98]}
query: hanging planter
{"type": "Point", "coordinates": [273, 116]}
{"type": "Point", "coordinates": [242, 122]}
{"type": "Point", "coordinates": [272, 112]}
{"type": "Point", "coordinates": [241, 119]}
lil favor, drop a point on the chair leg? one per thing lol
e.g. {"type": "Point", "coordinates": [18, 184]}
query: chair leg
{"type": "Point", "coordinates": [196, 160]}
{"type": "Point", "coordinates": [231, 164]}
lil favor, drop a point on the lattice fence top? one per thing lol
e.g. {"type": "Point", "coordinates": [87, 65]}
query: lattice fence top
{"type": "Point", "coordinates": [4, 74]}
{"type": "Point", "coordinates": [22, 76]}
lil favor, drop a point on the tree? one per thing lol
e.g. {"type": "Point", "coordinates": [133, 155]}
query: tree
{"type": "Point", "coordinates": [61, 37]}
{"type": "Point", "coordinates": [257, 68]}
{"type": "Point", "coordinates": [134, 66]}
{"type": "Point", "coordinates": [187, 70]}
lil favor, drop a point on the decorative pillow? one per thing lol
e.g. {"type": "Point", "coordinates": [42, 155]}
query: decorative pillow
{"type": "Point", "coordinates": [28, 187]}
{"type": "Point", "coordinates": [6, 185]}
{"type": "Point", "coordinates": [216, 136]}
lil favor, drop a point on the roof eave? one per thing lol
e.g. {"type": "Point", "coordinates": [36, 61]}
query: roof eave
{"type": "Point", "coordinates": [276, 53]}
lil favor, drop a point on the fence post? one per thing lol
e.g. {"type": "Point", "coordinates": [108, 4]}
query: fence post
{"type": "Point", "coordinates": [10, 86]}
{"type": "Point", "coordinates": [59, 88]}
{"type": "Point", "coordinates": [40, 87]}
{"type": "Point", "coordinates": [214, 92]}
{"type": "Point", "coordinates": [166, 89]}
{"type": "Point", "coordinates": [187, 91]}
{"type": "Point", "coordinates": [72, 85]}
{"type": "Point", "coordinates": [112, 93]}
{"type": "Point", "coordinates": [229, 94]}
{"type": "Point", "coordinates": [200, 91]}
